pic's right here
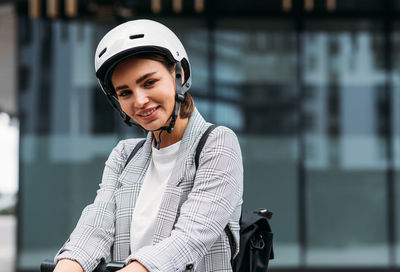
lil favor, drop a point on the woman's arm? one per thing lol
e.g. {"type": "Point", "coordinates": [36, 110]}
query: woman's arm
{"type": "Point", "coordinates": [215, 196]}
{"type": "Point", "coordinates": [134, 267]}
{"type": "Point", "coordinates": [66, 265]}
{"type": "Point", "coordinates": [91, 240]}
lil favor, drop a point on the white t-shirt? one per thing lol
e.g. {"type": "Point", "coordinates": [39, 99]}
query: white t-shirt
{"type": "Point", "coordinates": [148, 203]}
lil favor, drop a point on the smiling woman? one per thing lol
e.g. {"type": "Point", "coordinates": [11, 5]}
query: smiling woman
{"type": "Point", "coordinates": [187, 105]}
{"type": "Point", "coordinates": [145, 89]}
{"type": "Point", "coordinates": [159, 212]}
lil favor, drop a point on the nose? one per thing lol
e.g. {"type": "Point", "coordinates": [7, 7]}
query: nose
{"type": "Point", "coordinates": [141, 99]}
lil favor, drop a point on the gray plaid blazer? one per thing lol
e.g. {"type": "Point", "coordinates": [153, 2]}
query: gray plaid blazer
{"type": "Point", "coordinates": [196, 207]}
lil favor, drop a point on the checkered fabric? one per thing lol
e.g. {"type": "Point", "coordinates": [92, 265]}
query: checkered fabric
{"type": "Point", "coordinates": [196, 207]}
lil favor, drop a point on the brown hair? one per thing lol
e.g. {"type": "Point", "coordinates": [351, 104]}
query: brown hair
{"type": "Point", "coordinates": [187, 105]}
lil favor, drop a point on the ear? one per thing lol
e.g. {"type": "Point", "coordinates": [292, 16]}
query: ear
{"type": "Point", "coordinates": [183, 74]}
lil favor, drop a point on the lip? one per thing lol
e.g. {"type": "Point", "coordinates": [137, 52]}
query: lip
{"type": "Point", "coordinates": [149, 117]}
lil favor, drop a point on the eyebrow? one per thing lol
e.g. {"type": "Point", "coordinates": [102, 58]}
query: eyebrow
{"type": "Point", "coordinates": [140, 79]}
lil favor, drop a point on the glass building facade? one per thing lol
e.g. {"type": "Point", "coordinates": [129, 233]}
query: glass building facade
{"type": "Point", "coordinates": [312, 93]}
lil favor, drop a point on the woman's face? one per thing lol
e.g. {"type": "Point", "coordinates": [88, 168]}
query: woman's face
{"type": "Point", "coordinates": [146, 91]}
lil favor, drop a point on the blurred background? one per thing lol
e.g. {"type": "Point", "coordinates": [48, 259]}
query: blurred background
{"type": "Point", "coordinates": [311, 87]}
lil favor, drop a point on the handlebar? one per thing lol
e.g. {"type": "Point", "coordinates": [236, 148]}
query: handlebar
{"type": "Point", "coordinates": [48, 266]}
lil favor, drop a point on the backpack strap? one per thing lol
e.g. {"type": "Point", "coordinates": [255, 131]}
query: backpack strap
{"type": "Point", "coordinates": [198, 149]}
{"type": "Point", "coordinates": [232, 243]}
{"type": "Point", "coordinates": [134, 151]}
{"type": "Point", "coordinates": [201, 144]}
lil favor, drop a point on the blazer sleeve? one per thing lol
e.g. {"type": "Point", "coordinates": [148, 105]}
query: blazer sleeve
{"type": "Point", "coordinates": [216, 192]}
{"type": "Point", "coordinates": [91, 240]}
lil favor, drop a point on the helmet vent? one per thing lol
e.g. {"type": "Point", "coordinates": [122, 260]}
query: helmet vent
{"type": "Point", "coordinates": [102, 52]}
{"type": "Point", "coordinates": [137, 36]}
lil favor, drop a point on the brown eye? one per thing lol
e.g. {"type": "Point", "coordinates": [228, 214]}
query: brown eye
{"type": "Point", "coordinates": [150, 82]}
{"type": "Point", "coordinates": [123, 93]}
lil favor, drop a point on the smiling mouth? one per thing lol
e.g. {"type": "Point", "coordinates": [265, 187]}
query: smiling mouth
{"type": "Point", "coordinates": [147, 113]}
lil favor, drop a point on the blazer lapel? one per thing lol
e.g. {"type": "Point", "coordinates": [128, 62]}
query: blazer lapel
{"type": "Point", "coordinates": [171, 199]}
{"type": "Point", "coordinates": [131, 180]}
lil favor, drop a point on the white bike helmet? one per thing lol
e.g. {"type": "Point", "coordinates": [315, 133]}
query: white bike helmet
{"type": "Point", "coordinates": [140, 37]}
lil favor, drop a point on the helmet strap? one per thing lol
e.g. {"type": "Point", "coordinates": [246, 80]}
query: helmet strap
{"type": "Point", "coordinates": [179, 97]}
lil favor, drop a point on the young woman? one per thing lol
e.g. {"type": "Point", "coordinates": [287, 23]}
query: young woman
{"type": "Point", "coordinates": [159, 212]}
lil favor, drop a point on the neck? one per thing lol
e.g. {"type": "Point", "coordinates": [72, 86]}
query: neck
{"type": "Point", "coordinates": [175, 136]}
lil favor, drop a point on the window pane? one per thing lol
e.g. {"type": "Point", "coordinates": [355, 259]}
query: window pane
{"type": "Point", "coordinates": [395, 77]}
{"type": "Point", "coordinates": [62, 150]}
{"type": "Point", "coordinates": [256, 96]}
{"type": "Point", "coordinates": [346, 159]}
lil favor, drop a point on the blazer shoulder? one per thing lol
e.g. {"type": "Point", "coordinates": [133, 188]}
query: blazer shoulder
{"type": "Point", "coordinates": [121, 152]}
{"type": "Point", "coordinates": [223, 132]}
{"type": "Point", "coordinates": [222, 138]}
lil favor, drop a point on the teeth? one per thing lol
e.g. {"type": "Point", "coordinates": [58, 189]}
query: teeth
{"type": "Point", "coordinates": [149, 112]}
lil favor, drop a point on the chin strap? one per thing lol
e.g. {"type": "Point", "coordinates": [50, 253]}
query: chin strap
{"type": "Point", "coordinates": [179, 96]}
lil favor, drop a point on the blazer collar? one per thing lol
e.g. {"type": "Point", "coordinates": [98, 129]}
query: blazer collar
{"type": "Point", "coordinates": [195, 128]}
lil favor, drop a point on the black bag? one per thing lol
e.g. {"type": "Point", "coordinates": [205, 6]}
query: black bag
{"type": "Point", "coordinates": [256, 248]}
{"type": "Point", "coordinates": [255, 242]}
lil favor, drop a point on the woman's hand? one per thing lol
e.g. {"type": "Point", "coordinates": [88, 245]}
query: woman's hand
{"type": "Point", "coordinates": [134, 266]}
{"type": "Point", "coordinates": [66, 265]}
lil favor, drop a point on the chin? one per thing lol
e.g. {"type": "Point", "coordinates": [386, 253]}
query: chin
{"type": "Point", "coordinates": [154, 124]}
{"type": "Point", "coordinates": [152, 127]}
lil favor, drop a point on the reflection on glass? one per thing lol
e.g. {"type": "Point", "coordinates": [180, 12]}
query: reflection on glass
{"type": "Point", "coordinates": [255, 95]}
{"type": "Point", "coordinates": [346, 158]}
{"type": "Point", "coordinates": [395, 103]}
{"type": "Point", "coordinates": [62, 151]}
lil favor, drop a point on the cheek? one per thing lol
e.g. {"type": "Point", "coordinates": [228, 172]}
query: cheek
{"type": "Point", "coordinates": [126, 107]}
{"type": "Point", "coordinates": [168, 96]}
{"type": "Point", "coordinates": [123, 105]}
{"type": "Point", "coordinates": [171, 101]}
